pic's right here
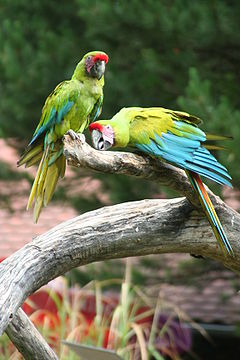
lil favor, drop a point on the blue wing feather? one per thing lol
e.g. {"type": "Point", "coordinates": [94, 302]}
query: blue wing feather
{"type": "Point", "coordinates": [187, 152]}
{"type": "Point", "coordinates": [96, 110]}
{"type": "Point", "coordinates": [55, 117]}
{"type": "Point", "coordinates": [190, 131]}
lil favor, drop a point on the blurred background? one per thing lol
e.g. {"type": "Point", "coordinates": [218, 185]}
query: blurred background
{"type": "Point", "coordinates": [182, 55]}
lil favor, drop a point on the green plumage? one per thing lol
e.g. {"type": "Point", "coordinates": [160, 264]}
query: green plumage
{"type": "Point", "coordinates": [72, 105]}
{"type": "Point", "coordinates": [137, 125]}
{"type": "Point", "coordinates": [175, 137]}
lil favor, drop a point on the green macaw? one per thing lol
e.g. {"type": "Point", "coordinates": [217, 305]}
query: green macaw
{"type": "Point", "coordinates": [71, 106]}
{"type": "Point", "coordinates": [175, 137]}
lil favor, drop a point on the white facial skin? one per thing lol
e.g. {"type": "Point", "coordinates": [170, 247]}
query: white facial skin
{"type": "Point", "coordinates": [104, 139]}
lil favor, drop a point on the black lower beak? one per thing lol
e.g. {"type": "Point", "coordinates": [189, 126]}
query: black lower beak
{"type": "Point", "coordinates": [104, 145]}
{"type": "Point", "coordinates": [98, 69]}
{"type": "Point", "coordinates": [99, 142]}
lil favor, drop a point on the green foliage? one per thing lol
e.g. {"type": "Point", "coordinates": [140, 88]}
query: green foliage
{"type": "Point", "coordinates": [38, 49]}
{"type": "Point", "coordinates": [127, 321]}
{"type": "Point", "coordinates": [220, 114]}
{"type": "Point", "coordinates": [150, 51]}
{"type": "Point", "coordinates": [108, 270]}
{"type": "Point", "coordinates": [5, 352]}
{"type": "Point", "coordinates": [123, 188]}
{"type": "Point", "coordinates": [151, 45]}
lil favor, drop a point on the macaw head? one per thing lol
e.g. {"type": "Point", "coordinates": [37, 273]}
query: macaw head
{"type": "Point", "coordinates": [92, 65]}
{"type": "Point", "coordinates": [114, 132]}
{"type": "Point", "coordinates": [95, 62]}
{"type": "Point", "coordinates": [102, 134]}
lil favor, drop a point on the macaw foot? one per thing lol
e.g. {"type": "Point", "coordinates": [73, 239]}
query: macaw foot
{"type": "Point", "coordinates": [82, 138]}
{"type": "Point", "coordinates": [76, 136]}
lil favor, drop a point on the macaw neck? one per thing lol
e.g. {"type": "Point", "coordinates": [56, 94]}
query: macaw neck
{"type": "Point", "coordinates": [121, 134]}
{"type": "Point", "coordinates": [79, 72]}
{"type": "Point", "coordinates": [80, 75]}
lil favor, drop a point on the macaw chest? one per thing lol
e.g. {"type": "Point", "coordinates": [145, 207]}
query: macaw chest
{"type": "Point", "coordinates": [81, 111]}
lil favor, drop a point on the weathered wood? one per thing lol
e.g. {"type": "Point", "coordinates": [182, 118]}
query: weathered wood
{"type": "Point", "coordinates": [128, 229]}
{"type": "Point", "coordinates": [28, 340]}
{"type": "Point", "coordinates": [80, 154]}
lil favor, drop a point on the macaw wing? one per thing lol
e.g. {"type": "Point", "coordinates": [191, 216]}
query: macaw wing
{"type": "Point", "coordinates": [179, 142]}
{"type": "Point", "coordinates": [96, 111]}
{"type": "Point", "coordinates": [166, 114]}
{"type": "Point", "coordinates": [56, 107]}
{"type": "Point", "coordinates": [183, 116]}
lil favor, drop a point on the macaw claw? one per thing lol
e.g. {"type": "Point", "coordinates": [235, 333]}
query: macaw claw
{"type": "Point", "coordinates": [76, 136]}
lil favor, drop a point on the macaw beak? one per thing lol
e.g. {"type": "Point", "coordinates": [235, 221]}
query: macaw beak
{"type": "Point", "coordinates": [99, 141]}
{"type": "Point", "coordinates": [98, 69]}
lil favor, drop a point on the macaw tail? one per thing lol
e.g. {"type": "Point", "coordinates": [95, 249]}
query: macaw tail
{"type": "Point", "coordinates": [210, 212]}
{"type": "Point", "coordinates": [52, 166]}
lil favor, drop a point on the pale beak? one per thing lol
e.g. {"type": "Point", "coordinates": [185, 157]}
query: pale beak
{"type": "Point", "coordinates": [99, 141]}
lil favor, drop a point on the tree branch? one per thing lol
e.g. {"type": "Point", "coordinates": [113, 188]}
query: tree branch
{"type": "Point", "coordinates": [132, 229]}
{"type": "Point", "coordinates": [81, 154]}
{"type": "Point", "coordinates": [28, 340]}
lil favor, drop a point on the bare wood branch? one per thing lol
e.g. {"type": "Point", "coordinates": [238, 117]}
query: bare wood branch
{"type": "Point", "coordinates": [81, 154]}
{"type": "Point", "coordinates": [133, 229]}
{"type": "Point", "coordinates": [128, 229]}
{"type": "Point", "coordinates": [28, 340]}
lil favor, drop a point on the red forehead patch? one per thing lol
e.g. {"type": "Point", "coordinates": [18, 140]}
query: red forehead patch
{"type": "Point", "coordinates": [100, 57]}
{"type": "Point", "coordinates": [95, 126]}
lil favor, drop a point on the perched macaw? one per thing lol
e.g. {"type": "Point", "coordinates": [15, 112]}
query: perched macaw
{"type": "Point", "coordinates": [175, 137]}
{"type": "Point", "coordinates": [71, 106]}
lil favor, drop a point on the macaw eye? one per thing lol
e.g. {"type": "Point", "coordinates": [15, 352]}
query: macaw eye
{"type": "Point", "coordinates": [89, 57]}
{"type": "Point", "coordinates": [108, 127]}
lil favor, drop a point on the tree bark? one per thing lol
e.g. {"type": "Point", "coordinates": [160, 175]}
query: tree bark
{"type": "Point", "coordinates": [128, 229]}
{"type": "Point", "coordinates": [80, 154]}
{"type": "Point", "coordinates": [28, 340]}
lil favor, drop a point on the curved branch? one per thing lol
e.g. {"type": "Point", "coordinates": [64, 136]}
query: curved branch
{"type": "Point", "coordinates": [133, 229]}
{"type": "Point", "coordinates": [80, 154]}
{"type": "Point", "coordinates": [28, 340]}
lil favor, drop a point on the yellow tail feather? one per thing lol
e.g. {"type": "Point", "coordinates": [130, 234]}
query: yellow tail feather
{"type": "Point", "coordinates": [50, 183]}
{"type": "Point", "coordinates": [62, 166]}
{"type": "Point", "coordinates": [214, 147]}
{"type": "Point", "coordinates": [34, 160]}
{"type": "Point", "coordinates": [29, 154]}
{"type": "Point", "coordinates": [35, 184]}
{"type": "Point", "coordinates": [47, 183]}
{"type": "Point", "coordinates": [37, 208]}
{"type": "Point", "coordinates": [46, 178]}
{"type": "Point", "coordinates": [36, 191]}
{"type": "Point", "coordinates": [51, 180]}
{"type": "Point", "coordinates": [210, 213]}
{"type": "Point", "coordinates": [42, 177]}
{"type": "Point", "coordinates": [218, 137]}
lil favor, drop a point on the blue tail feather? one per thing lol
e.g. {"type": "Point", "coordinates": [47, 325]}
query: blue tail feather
{"type": "Point", "coordinates": [213, 218]}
